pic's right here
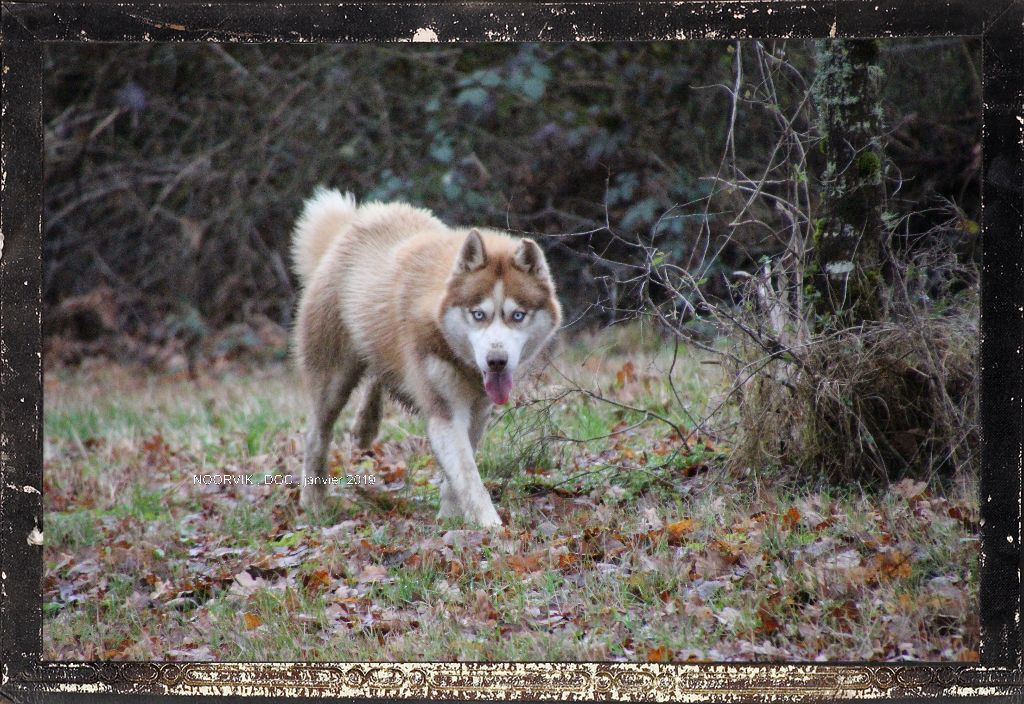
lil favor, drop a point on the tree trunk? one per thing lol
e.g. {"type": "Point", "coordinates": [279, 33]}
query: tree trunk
{"type": "Point", "coordinates": [850, 240]}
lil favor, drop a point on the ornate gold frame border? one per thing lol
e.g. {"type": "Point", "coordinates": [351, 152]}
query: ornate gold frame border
{"type": "Point", "coordinates": [530, 681]}
{"type": "Point", "coordinates": [25, 26]}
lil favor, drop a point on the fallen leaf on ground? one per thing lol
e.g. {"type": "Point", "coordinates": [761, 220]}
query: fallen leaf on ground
{"type": "Point", "coordinates": [455, 569]}
{"type": "Point", "coordinates": [769, 624]}
{"type": "Point", "coordinates": [791, 518]}
{"type": "Point", "coordinates": [245, 584]}
{"type": "Point", "coordinates": [891, 565]}
{"type": "Point", "coordinates": [659, 654]}
{"type": "Point", "coordinates": [910, 489]}
{"type": "Point", "coordinates": [525, 563]}
{"type": "Point", "coordinates": [728, 616]}
{"type": "Point", "coordinates": [678, 529]}
{"type": "Point", "coordinates": [373, 573]}
{"type": "Point", "coordinates": [317, 581]}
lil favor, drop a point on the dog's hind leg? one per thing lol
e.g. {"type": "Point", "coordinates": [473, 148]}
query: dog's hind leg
{"type": "Point", "coordinates": [330, 391]}
{"type": "Point", "coordinates": [368, 416]}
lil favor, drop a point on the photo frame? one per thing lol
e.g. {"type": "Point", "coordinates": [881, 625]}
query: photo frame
{"type": "Point", "coordinates": [26, 26]}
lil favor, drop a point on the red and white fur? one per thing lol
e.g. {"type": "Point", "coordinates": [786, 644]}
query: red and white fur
{"type": "Point", "coordinates": [441, 319]}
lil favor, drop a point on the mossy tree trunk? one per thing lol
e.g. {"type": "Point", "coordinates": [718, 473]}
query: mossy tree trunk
{"type": "Point", "coordinates": [850, 239]}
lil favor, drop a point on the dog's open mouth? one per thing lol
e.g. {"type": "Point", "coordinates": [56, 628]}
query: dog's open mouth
{"type": "Point", "coordinates": [498, 386]}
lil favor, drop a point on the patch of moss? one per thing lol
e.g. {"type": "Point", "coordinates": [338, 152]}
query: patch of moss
{"type": "Point", "coordinates": [869, 165]}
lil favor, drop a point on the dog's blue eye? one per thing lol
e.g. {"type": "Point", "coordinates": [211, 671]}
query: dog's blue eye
{"type": "Point", "coordinates": [518, 316]}
{"type": "Point", "coordinates": [478, 315]}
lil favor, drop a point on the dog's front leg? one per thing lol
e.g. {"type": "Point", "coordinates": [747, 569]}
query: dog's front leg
{"type": "Point", "coordinates": [462, 484]}
{"type": "Point", "coordinates": [480, 414]}
{"type": "Point", "coordinates": [449, 507]}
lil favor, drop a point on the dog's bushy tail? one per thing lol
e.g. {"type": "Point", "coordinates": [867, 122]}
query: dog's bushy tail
{"type": "Point", "coordinates": [325, 215]}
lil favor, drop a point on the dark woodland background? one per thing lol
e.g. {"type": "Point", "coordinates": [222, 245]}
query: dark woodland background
{"type": "Point", "coordinates": [174, 173]}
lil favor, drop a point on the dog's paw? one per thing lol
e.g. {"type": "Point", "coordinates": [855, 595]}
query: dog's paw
{"type": "Point", "coordinates": [486, 518]}
{"type": "Point", "coordinates": [449, 508]}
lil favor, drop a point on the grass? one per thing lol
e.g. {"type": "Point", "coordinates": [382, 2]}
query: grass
{"type": "Point", "coordinates": [622, 541]}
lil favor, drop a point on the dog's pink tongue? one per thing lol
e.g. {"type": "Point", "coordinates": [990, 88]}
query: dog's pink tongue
{"type": "Point", "coordinates": [498, 386]}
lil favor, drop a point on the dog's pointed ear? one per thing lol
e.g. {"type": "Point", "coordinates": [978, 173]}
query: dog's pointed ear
{"type": "Point", "coordinates": [472, 255]}
{"type": "Point", "coordinates": [529, 258]}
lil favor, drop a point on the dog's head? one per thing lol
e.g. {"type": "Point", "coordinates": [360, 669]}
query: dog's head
{"type": "Point", "coordinates": [500, 307]}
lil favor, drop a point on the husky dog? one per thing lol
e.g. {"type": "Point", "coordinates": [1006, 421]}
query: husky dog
{"type": "Point", "coordinates": [440, 319]}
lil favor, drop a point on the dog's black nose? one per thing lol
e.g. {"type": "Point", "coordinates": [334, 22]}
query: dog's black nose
{"type": "Point", "coordinates": [497, 360]}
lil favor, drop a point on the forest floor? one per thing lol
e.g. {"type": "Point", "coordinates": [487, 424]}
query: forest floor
{"type": "Point", "coordinates": [622, 540]}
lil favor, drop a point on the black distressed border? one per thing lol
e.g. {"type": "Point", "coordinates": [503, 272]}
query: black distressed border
{"type": "Point", "coordinates": [1002, 338]}
{"type": "Point", "coordinates": [23, 28]}
{"type": "Point", "coordinates": [21, 391]}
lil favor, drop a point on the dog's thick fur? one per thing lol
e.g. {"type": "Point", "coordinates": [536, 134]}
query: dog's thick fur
{"type": "Point", "coordinates": [439, 318]}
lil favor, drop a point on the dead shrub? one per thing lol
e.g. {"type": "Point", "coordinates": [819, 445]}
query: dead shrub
{"type": "Point", "coordinates": [881, 400]}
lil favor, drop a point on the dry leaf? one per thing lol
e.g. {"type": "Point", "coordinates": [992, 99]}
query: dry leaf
{"type": "Point", "coordinates": [910, 489]}
{"type": "Point", "coordinates": [677, 530]}
{"type": "Point", "coordinates": [845, 560]}
{"type": "Point", "coordinates": [455, 569]}
{"type": "Point", "coordinates": [659, 654]}
{"type": "Point", "coordinates": [317, 581]}
{"type": "Point", "coordinates": [373, 573]}
{"type": "Point", "coordinates": [791, 518]}
{"type": "Point", "coordinates": [525, 563]}
{"type": "Point", "coordinates": [245, 584]}
{"type": "Point", "coordinates": [845, 614]}
{"type": "Point", "coordinates": [391, 474]}
{"type": "Point", "coordinates": [568, 561]}
{"type": "Point", "coordinates": [200, 653]}
{"type": "Point", "coordinates": [769, 624]}
{"type": "Point", "coordinates": [483, 607]}
{"type": "Point", "coordinates": [891, 565]}
{"type": "Point", "coordinates": [728, 616]}
{"type": "Point", "coordinates": [626, 374]}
